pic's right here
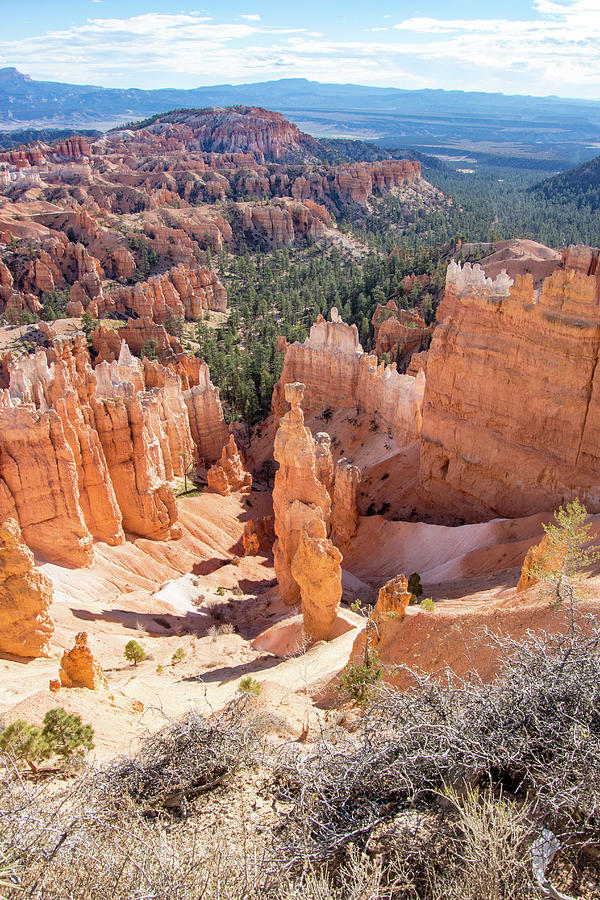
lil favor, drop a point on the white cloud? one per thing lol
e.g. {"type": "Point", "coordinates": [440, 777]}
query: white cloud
{"type": "Point", "coordinates": [557, 51]}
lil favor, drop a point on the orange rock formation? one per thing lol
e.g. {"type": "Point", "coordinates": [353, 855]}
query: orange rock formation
{"type": "Point", "coordinates": [511, 415]}
{"type": "Point", "coordinates": [25, 598]}
{"type": "Point", "coordinates": [79, 668]}
{"type": "Point", "coordinates": [338, 374]}
{"type": "Point", "coordinates": [316, 568]}
{"type": "Point", "coordinates": [535, 557]}
{"type": "Point", "coordinates": [229, 474]}
{"type": "Point", "coordinates": [89, 453]}
{"type": "Point", "coordinates": [344, 509]}
{"type": "Point", "coordinates": [258, 535]}
{"type": "Point", "coordinates": [298, 495]}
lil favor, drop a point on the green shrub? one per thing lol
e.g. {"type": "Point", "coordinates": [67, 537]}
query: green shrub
{"type": "Point", "coordinates": [149, 349]}
{"type": "Point", "coordinates": [25, 743]}
{"type": "Point", "coordinates": [427, 604]}
{"type": "Point", "coordinates": [178, 656]}
{"type": "Point", "coordinates": [249, 685]}
{"type": "Point", "coordinates": [357, 680]}
{"type": "Point", "coordinates": [134, 653]}
{"type": "Point", "coordinates": [62, 734]}
{"type": "Point", "coordinates": [66, 734]}
{"type": "Point", "coordinates": [221, 591]}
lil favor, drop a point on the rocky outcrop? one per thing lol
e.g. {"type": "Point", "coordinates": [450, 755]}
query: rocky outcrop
{"type": "Point", "coordinates": [355, 182]}
{"type": "Point", "coordinates": [25, 598]}
{"type": "Point", "coordinates": [393, 598]}
{"type": "Point", "coordinates": [316, 568]}
{"type": "Point", "coordinates": [399, 333]}
{"type": "Point", "coordinates": [511, 415]}
{"type": "Point", "coordinates": [88, 454]}
{"type": "Point", "coordinates": [262, 134]}
{"type": "Point", "coordinates": [392, 602]}
{"type": "Point", "coordinates": [534, 560]}
{"type": "Point", "coordinates": [205, 413]}
{"type": "Point", "coordinates": [258, 535]}
{"type": "Point", "coordinates": [344, 509]}
{"type": "Point", "coordinates": [182, 292]}
{"type": "Point", "coordinates": [298, 496]}
{"type": "Point", "coordinates": [229, 474]}
{"type": "Point", "coordinates": [338, 374]}
{"type": "Point", "coordinates": [79, 668]}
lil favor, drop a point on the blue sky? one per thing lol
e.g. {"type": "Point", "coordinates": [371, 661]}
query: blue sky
{"type": "Point", "coordinates": [530, 47]}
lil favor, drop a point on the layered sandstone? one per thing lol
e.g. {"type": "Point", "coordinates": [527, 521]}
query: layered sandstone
{"type": "Point", "coordinates": [205, 414]}
{"type": "Point", "coordinates": [79, 668]}
{"type": "Point", "coordinates": [338, 374]}
{"type": "Point", "coordinates": [316, 568]}
{"type": "Point", "coordinates": [236, 130]}
{"type": "Point", "coordinates": [298, 495]}
{"type": "Point", "coordinates": [181, 292]}
{"type": "Point", "coordinates": [511, 415]}
{"type": "Point", "coordinates": [229, 474]}
{"type": "Point", "coordinates": [356, 182]}
{"type": "Point", "coordinates": [89, 453]}
{"type": "Point", "coordinates": [25, 598]}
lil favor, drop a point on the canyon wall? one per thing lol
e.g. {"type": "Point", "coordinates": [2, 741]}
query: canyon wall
{"type": "Point", "coordinates": [88, 453]}
{"type": "Point", "coordinates": [511, 412]}
{"type": "Point", "coordinates": [339, 374]}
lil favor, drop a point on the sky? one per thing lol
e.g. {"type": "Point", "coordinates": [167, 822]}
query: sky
{"type": "Point", "coordinates": [538, 47]}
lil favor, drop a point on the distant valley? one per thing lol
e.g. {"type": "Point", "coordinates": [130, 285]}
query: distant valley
{"type": "Point", "coordinates": [464, 128]}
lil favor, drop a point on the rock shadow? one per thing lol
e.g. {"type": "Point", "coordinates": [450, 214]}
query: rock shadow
{"type": "Point", "coordinates": [208, 566]}
{"type": "Point", "coordinates": [231, 673]}
{"type": "Point", "coordinates": [156, 625]}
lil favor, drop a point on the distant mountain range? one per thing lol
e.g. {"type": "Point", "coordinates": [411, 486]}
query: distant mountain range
{"type": "Point", "coordinates": [542, 132]}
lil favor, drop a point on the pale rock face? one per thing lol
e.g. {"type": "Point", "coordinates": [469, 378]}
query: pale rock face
{"type": "Point", "coordinates": [338, 374]}
{"type": "Point", "coordinates": [298, 495]}
{"type": "Point", "coordinates": [511, 415]}
{"type": "Point", "coordinates": [229, 474]}
{"type": "Point", "coordinates": [39, 484]}
{"type": "Point", "coordinates": [79, 668]}
{"type": "Point", "coordinates": [25, 598]}
{"type": "Point", "coordinates": [344, 511]}
{"type": "Point", "coordinates": [316, 568]}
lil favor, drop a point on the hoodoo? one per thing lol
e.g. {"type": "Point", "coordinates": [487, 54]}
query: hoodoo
{"type": "Point", "coordinates": [298, 495]}
{"type": "Point", "coordinates": [316, 568]}
{"type": "Point", "coordinates": [79, 668]}
{"type": "Point", "coordinates": [108, 440]}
